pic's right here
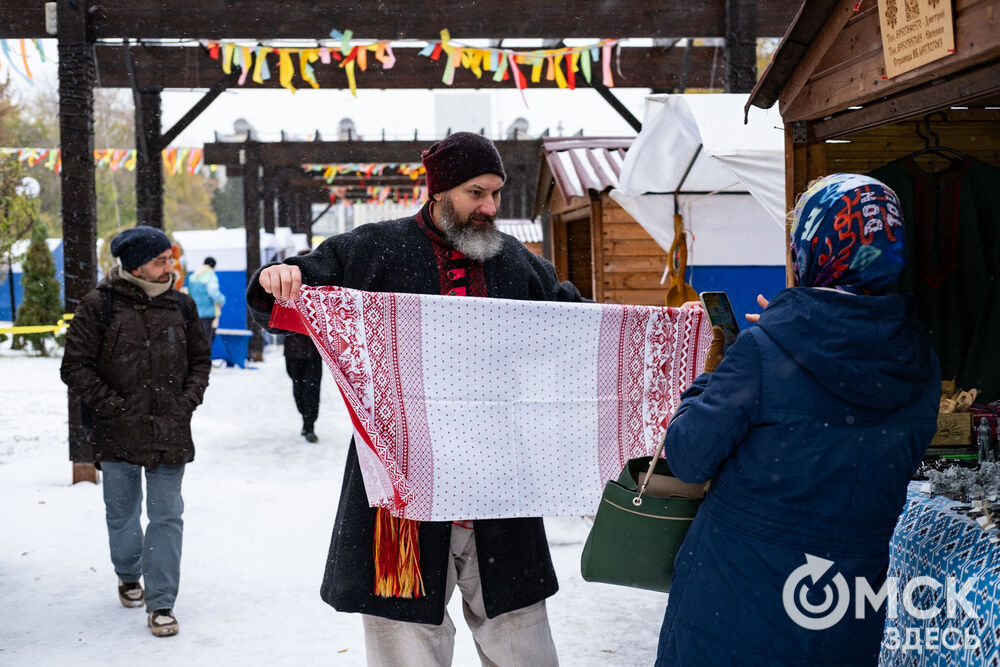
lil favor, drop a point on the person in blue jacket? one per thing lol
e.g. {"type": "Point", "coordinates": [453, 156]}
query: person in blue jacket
{"type": "Point", "coordinates": [203, 286]}
{"type": "Point", "coordinates": [809, 430]}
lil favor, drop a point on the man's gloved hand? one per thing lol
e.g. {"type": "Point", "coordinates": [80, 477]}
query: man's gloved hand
{"type": "Point", "coordinates": [716, 350]}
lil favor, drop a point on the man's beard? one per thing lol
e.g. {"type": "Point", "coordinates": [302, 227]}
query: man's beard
{"type": "Point", "coordinates": [477, 241]}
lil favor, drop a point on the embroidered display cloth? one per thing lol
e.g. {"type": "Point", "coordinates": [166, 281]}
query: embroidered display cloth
{"type": "Point", "coordinates": [488, 408]}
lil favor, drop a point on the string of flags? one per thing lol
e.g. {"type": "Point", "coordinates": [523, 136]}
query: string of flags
{"type": "Point", "coordinates": [191, 160]}
{"type": "Point", "coordinates": [504, 62]}
{"type": "Point", "coordinates": [377, 194]}
{"type": "Point", "coordinates": [561, 65]}
{"type": "Point", "coordinates": [175, 160]}
{"type": "Point", "coordinates": [330, 171]}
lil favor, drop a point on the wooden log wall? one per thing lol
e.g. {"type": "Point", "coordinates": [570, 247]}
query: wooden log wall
{"type": "Point", "coordinates": [631, 261]}
{"type": "Point", "coordinates": [578, 259]}
{"type": "Point", "coordinates": [608, 256]}
{"type": "Point", "coordinates": [975, 132]}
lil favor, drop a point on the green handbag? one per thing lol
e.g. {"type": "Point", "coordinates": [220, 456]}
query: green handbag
{"type": "Point", "coordinates": [640, 526]}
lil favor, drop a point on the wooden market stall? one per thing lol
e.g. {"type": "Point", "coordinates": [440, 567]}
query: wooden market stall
{"type": "Point", "coordinates": [910, 92]}
{"type": "Point", "coordinates": [932, 133]}
{"type": "Point", "coordinates": [595, 244]}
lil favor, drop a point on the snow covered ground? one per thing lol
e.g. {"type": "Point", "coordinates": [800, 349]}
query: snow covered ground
{"type": "Point", "coordinates": [260, 504]}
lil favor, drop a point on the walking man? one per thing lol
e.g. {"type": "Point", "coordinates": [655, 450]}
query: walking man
{"type": "Point", "coordinates": [138, 358]}
{"type": "Point", "coordinates": [305, 367]}
{"type": "Point", "coordinates": [203, 286]}
{"type": "Point", "coordinates": [502, 567]}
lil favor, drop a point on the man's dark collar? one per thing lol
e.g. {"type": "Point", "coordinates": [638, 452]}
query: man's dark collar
{"type": "Point", "coordinates": [431, 230]}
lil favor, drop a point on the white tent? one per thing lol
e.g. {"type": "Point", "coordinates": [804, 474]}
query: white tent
{"type": "Point", "coordinates": [695, 156]}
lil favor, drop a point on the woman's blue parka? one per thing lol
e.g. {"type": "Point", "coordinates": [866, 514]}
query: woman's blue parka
{"type": "Point", "coordinates": [810, 430]}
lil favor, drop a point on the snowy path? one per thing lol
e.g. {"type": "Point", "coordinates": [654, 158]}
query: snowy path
{"type": "Point", "coordinates": [260, 503]}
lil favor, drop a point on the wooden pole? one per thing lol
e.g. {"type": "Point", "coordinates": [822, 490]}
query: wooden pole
{"type": "Point", "coordinates": [268, 199]}
{"type": "Point", "coordinates": [149, 163]}
{"type": "Point", "coordinates": [741, 45]}
{"type": "Point", "coordinates": [79, 194]}
{"type": "Point", "coordinates": [250, 154]}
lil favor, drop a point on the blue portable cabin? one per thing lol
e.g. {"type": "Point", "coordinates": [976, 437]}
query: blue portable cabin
{"type": "Point", "coordinates": [228, 247]}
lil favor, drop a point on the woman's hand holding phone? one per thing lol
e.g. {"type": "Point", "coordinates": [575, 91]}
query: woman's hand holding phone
{"type": "Point", "coordinates": [716, 350]}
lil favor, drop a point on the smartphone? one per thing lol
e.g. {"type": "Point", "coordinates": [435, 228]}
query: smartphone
{"type": "Point", "coordinates": [720, 314]}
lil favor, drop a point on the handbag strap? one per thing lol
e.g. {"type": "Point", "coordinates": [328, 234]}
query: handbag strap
{"type": "Point", "coordinates": [637, 501]}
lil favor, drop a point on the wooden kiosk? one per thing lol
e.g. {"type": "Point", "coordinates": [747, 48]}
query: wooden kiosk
{"type": "Point", "coordinates": [850, 106]}
{"type": "Point", "coordinates": [595, 243]}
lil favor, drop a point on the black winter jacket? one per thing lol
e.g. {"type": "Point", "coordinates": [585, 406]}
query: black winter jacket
{"type": "Point", "coordinates": [514, 561]}
{"type": "Point", "coordinates": [143, 378]}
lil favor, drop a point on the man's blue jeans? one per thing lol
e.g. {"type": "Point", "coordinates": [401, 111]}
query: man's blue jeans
{"type": "Point", "coordinates": [157, 556]}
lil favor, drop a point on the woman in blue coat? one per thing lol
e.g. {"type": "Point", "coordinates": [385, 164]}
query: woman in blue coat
{"type": "Point", "coordinates": [809, 430]}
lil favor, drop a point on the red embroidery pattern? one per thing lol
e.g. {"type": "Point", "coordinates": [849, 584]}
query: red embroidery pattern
{"type": "Point", "coordinates": [335, 316]}
{"type": "Point", "coordinates": [663, 360]}
{"type": "Point", "coordinates": [372, 344]}
{"type": "Point", "coordinates": [611, 460]}
{"type": "Point", "coordinates": [630, 383]}
{"type": "Point", "coordinates": [419, 467]}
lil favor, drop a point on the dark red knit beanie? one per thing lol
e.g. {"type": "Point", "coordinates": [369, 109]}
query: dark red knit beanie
{"type": "Point", "coordinates": [459, 157]}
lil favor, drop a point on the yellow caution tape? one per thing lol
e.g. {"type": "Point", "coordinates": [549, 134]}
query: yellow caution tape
{"type": "Point", "coordinates": [58, 327]}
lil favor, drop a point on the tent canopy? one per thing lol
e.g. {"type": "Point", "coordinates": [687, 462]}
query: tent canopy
{"type": "Point", "coordinates": [695, 153]}
{"type": "Point", "coordinates": [228, 246]}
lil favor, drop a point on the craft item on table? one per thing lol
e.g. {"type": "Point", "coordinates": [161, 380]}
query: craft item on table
{"type": "Point", "coordinates": [984, 439]}
{"type": "Point", "coordinates": [498, 408]}
{"type": "Point", "coordinates": [955, 424]}
{"type": "Point", "coordinates": [959, 483]}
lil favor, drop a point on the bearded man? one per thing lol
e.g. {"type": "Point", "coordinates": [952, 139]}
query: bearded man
{"type": "Point", "coordinates": [501, 566]}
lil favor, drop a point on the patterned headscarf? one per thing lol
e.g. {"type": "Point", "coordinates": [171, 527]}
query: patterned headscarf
{"type": "Point", "coordinates": [847, 233]}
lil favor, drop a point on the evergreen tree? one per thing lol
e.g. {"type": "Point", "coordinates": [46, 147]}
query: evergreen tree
{"type": "Point", "coordinates": [41, 303]}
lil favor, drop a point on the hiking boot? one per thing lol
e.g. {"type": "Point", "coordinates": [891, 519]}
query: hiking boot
{"type": "Point", "coordinates": [162, 623]}
{"type": "Point", "coordinates": [130, 594]}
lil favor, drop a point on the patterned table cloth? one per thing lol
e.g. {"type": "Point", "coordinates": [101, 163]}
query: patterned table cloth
{"type": "Point", "coordinates": [932, 539]}
{"type": "Point", "coordinates": [495, 408]}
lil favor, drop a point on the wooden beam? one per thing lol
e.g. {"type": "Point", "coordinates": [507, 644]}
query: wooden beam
{"type": "Point", "coordinates": [853, 71]}
{"type": "Point", "coordinates": [149, 162]}
{"type": "Point", "coordinates": [915, 102]}
{"type": "Point", "coordinates": [617, 105]}
{"type": "Point", "coordinates": [805, 160]}
{"type": "Point", "coordinates": [297, 153]}
{"type": "Point", "coordinates": [597, 242]}
{"type": "Point", "coordinates": [741, 45]}
{"type": "Point", "coordinates": [191, 67]}
{"type": "Point", "coordinates": [315, 179]}
{"type": "Point", "coordinates": [398, 19]}
{"type": "Point", "coordinates": [817, 49]}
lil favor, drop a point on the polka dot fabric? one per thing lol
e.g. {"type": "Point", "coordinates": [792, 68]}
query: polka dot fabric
{"type": "Point", "coordinates": [494, 408]}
